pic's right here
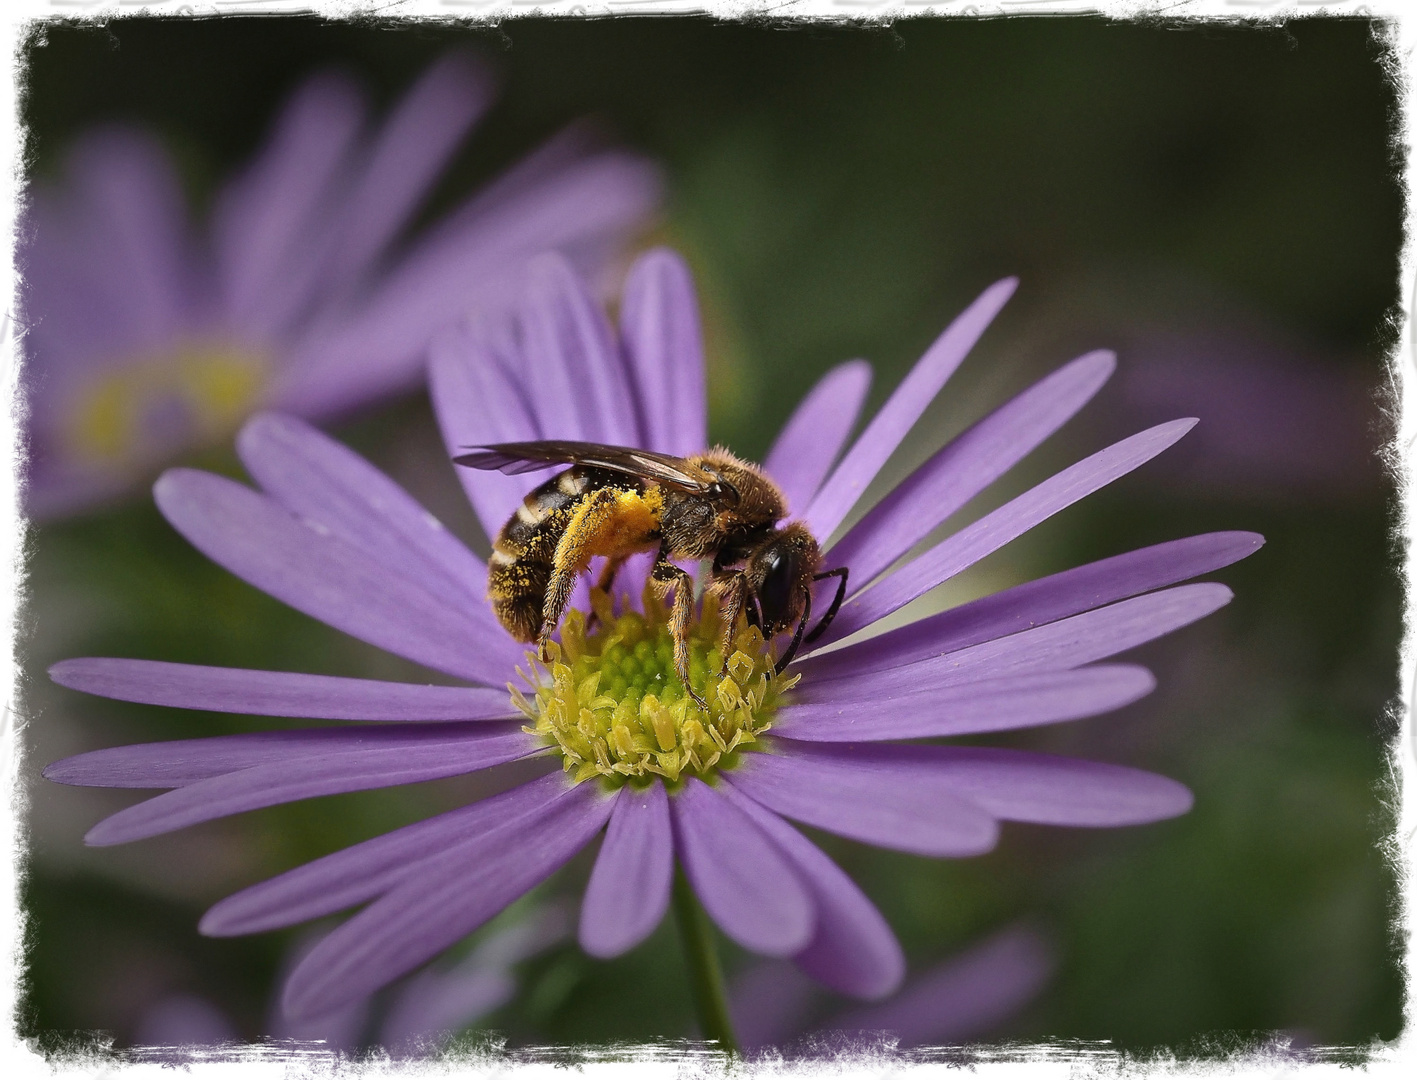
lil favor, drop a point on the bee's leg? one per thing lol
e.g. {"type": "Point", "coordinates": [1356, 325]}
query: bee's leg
{"type": "Point", "coordinates": [572, 554]}
{"type": "Point", "coordinates": [797, 634]}
{"type": "Point", "coordinates": [820, 628]}
{"type": "Point", "coordinates": [603, 583]}
{"type": "Point", "coordinates": [667, 576]}
{"type": "Point", "coordinates": [731, 590]}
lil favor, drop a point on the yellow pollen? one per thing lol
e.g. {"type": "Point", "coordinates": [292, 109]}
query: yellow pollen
{"type": "Point", "coordinates": [610, 702]}
{"type": "Point", "coordinates": [141, 410]}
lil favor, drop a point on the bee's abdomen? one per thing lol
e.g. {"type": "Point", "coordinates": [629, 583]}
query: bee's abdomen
{"type": "Point", "coordinates": [523, 555]}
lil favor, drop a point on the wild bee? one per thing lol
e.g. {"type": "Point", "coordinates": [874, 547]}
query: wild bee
{"type": "Point", "coordinates": [615, 501]}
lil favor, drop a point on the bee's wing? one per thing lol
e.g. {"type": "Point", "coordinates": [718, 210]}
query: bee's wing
{"type": "Point", "coordinates": [524, 457]}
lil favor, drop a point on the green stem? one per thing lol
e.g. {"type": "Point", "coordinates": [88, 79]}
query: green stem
{"type": "Point", "coordinates": [705, 976]}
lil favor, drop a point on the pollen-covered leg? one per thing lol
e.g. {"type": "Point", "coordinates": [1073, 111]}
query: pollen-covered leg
{"type": "Point", "coordinates": [731, 591]}
{"type": "Point", "coordinates": [607, 522]}
{"type": "Point", "coordinates": [604, 583]}
{"type": "Point", "coordinates": [668, 576]}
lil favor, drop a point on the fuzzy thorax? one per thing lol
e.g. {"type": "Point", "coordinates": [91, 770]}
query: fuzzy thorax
{"type": "Point", "coordinates": [611, 704]}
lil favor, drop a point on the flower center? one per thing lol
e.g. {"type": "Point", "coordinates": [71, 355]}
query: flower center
{"type": "Point", "coordinates": [614, 707]}
{"type": "Point", "coordinates": [142, 411]}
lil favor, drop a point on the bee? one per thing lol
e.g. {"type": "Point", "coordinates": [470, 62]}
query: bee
{"type": "Point", "coordinates": [615, 501]}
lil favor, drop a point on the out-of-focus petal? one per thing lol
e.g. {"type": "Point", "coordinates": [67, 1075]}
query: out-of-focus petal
{"type": "Point", "coordinates": [964, 997]}
{"type": "Point", "coordinates": [450, 896]}
{"type": "Point", "coordinates": [898, 415]}
{"type": "Point", "coordinates": [433, 1005]}
{"type": "Point", "coordinates": [770, 1002]}
{"type": "Point", "coordinates": [966, 466]}
{"type": "Point", "coordinates": [743, 880]}
{"type": "Point", "coordinates": [459, 271]}
{"type": "Point", "coordinates": [990, 705]}
{"type": "Point", "coordinates": [814, 434]}
{"type": "Point", "coordinates": [337, 492]}
{"type": "Point", "coordinates": [276, 693]}
{"type": "Point", "coordinates": [266, 226]}
{"type": "Point", "coordinates": [892, 801]}
{"type": "Point", "coordinates": [327, 578]}
{"type": "Point", "coordinates": [1045, 600]}
{"type": "Point", "coordinates": [997, 528]}
{"type": "Point", "coordinates": [1015, 785]}
{"type": "Point", "coordinates": [582, 390]}
{"type": "Point", "coordinates": [405, 159]}
{"type": "Point", "coordinates": [659, 321]}
{"type": "Point", "coordinates": [137, 215]}
{"type": "Point", "coordinates": [372, 868]}
{"type": "Point", "coordinates": [1067, 643]}
{"type": "Point", "coordinates": [478, 403]}
{"type": "Point", "coordinates": [628, 891]}
{"type": "Point", "coordinates": [397, 756]}
{"type": "Point", "coordinates": [853, 950]}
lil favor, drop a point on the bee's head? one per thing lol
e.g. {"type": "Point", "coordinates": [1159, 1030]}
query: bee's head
{"type": "Point", "coordinates": [780, 574]}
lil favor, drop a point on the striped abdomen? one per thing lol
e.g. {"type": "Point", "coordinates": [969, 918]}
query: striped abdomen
{"type": "Point", "coordinates": [524, 553]}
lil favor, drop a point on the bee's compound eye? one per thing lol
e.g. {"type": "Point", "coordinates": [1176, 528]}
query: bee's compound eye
{"type": "Point", "coordinates": [721, 492]}
{"type": "Point", "coordinates": [779, 569]}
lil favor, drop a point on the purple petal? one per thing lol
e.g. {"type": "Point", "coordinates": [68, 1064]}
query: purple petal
{"type": "Point", "coordinates": [265, 223]}
{"type": "Point", "coordinates": [900, 412]}
{"type": "Point", "coordinates": [997, 528]}
{"type": "Point", "coordinates": [964, 997]}
{"type": "Point", "coordinates": [809, 444]}
{"type": "Point", "coordinates": [1045, 600]}
{"type": "Point", "coordinates": [450, 896]}
{"type": "Point", "coordinates": [853, 950]}
{"type": "Point", "coordinates": [416, 142]}
{"type": "Point", "coordinates": [966, 466]}
{"type": "Point", "coordinates": [134, 233]}
{"type": "Point", "coordinates": [629, 887]}
{"type": "Point", "coordinates": [746, 886]}
{"type": "Point", "coordinates": [376, 866]}
{"type": "Point", "coordinates": [471, 267]}
{"type": "Point", "coordinates": [433, 1004]}
{"type": "Point", "coordinates": [770, 1002]}
{"type": "Point", "coordinates": [659, 321]}
{"type": "Point", "coordinates": [1067, 643]}
{"type": "Point", "coordinates": [478, 403]}
{"type": "Point", "coordinates": [276, 693]}
{"type": "Point", "coordinates": [894, 802]}
{"type": "Point", "coordinates": [1017, 786]}
{"type": "Point", "coordinates": [400, 756]}
{"type": "Point", "coordinates": [325, 577]}
{"type": "Point", "coordinates": [852, 715]}
{"type": "Point", "coordinates": [570, 356]}
{"type": "Point", "coordinates": [179, 762]}
{"type": "Point", "coordinates": [336, 491]}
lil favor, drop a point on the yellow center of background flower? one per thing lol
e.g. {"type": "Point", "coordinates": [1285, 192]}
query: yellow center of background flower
{"type": "Point", "coordinates": [612, 704]}
{"type": "Point", "coordinates": [137, 410]}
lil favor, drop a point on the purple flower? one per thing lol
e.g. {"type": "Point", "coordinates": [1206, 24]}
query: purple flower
{"type": "Point", "coordinates": [334, 538]}
{"type": "Point", "coordinates": [147, 337]}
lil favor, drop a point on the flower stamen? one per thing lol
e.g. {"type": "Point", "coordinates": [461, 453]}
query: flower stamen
{"type": "Point", "coordinates": [609, 699]}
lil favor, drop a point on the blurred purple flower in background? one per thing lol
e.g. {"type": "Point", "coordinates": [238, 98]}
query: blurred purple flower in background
{"type": "Point", "coordinates": [958, 1000]}
{"type": "Point", "coordinates": [1283, 422]}
{"type": "Point", "coordinates": [147, 337]}
{"type": "Point", "coordinates": [334, 538]}
{"type": "Point", "coordinates": [420, 1015]}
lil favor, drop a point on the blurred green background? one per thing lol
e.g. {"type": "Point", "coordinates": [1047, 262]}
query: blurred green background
{"type": "Point", "coordinates": [1204, 198]}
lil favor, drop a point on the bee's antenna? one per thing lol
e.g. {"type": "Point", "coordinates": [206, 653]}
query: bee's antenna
{"type": "Point", "coordinates": [821, 627]}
